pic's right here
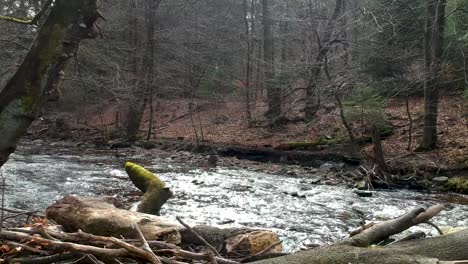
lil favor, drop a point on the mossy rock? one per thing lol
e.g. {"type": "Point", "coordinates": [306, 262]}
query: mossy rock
{"type": "Point", "coordinates": [142, 178]}
{"type": "Point", "coordinates": [459, 185]}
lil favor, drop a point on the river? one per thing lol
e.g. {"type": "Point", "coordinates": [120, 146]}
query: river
{"type": "Point", "coordinates": [302, 213]}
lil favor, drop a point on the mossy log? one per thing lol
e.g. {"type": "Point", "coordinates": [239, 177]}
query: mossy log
{"type": "Point", "coordinates": [99, 216]}
{"type": "Point", "coordinates": [57, 41]}
{"type": "Point", "coordinates": [156, 193]}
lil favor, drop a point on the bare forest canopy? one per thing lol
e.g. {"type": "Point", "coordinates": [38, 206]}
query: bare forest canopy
{"type": "Point", "coordinates": [282, 60]}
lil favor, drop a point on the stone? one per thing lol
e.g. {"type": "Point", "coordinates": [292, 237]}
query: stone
{"type": "Point", "coordinates": [440, 180]}
{"type": "Point", "coordinates": [326, 166]}
{"type": "Point", "coordinates": [315, 180]}
{"type": "Point", "coordinates": [362, 185]}
{"type": "Point", "coordinates": [363, 193]}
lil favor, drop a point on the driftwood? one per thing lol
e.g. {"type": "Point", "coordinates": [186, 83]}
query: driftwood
{"type": "Point", "coordinates": [377, 233]}
{"type": "Point", "coordinates": [100, 217]}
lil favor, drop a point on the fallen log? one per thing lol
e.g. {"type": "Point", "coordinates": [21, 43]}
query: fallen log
{"type": "Point", "coordinates": [450, 247]}
{"type": "Point", "coordinates": [99, 216]}
{"type": "Point", "coordinates": [355, 249]}
{"type": "Point", "coordinates": [379, 232]}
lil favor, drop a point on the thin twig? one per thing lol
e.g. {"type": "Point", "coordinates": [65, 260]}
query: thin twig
{"type": "Point", "coordinates": [145, 245]}
{"type": "Point", "coordinates": [198, 236]}
{"type": "Point", "coordinates": [435, 226]}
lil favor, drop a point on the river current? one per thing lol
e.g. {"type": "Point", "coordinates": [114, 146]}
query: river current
{"type": "Point", "coordinates": [301, 212]}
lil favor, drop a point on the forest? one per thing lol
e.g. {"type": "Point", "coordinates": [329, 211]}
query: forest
{"type": "Point", "coordinates": [234, 131]}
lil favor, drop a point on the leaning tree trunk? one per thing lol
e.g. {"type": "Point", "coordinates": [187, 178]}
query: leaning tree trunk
{"type": "Point", "coordinates": [316, 66]}
{"type": "Point", "coordinates": [57, 42]}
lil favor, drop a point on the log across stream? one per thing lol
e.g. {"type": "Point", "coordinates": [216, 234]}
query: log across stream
{"type": "Point", "coordinates": [302, 213]}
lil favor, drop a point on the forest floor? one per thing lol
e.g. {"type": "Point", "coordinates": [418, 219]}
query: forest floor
{"type": "Point", "coordinates": [224, 123]}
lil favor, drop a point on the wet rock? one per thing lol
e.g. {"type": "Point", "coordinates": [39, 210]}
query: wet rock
{"type": "Point", "coordinates": [196, 182]}
{"type": "Point", "coordinates": [315, 180]}
{"type": "Point", "coordinates": [226, 222]}
{"type": "Point", "coordinates": [291, 173]}
{"type": "Point", "coordinates": [310, 169]}
{"type": "Point", "coordinates": [38, 141]}
{"type": "Point", "coordinates": [326, 167]}
{"type": "Point", "coordinates": [120, 144]}
{"type": "Point", "coordinates": [361, 193]}
{"type": "Point", "coordinates": [440, 180]}
{"type": "Point", "coordinates": [297, 195]}
{"type": "Point", "coordinates": [145, 144]}
{"type": "Point", "coordinates": [331, 182]}
{"type": "Point", "coordinates": [362, 185]}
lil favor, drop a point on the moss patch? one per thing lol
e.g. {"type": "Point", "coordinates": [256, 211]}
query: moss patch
{"type": "Point", "coordinates": [459, 185]}
{"type": "Point", "coordinates": [142, 178]}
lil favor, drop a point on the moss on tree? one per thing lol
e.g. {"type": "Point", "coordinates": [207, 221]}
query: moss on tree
{"type": "Point", "coordinates": [156, 192]}
{"type": "Point", "coordinates": [142, 178]}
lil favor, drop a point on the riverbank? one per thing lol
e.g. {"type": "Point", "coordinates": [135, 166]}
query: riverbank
{"type": "Point", "coordinates": [314, 167]}
{"type": "Point", "coordinates": [222, 132]}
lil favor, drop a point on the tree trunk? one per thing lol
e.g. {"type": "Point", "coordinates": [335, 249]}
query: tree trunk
{"type": "Point", "coordinates": [324, 43]}
{"type": "Point", "coordinates": [346, 124]}
{"type": "Point", "coordinates": [379, 158]}
{"type": "Point", "coordinates": [248, 62]}
{"type": "Point", "coordinates": [143, 81]}
{"type": "Point", "coordinates": [273, 93]}
{"type": "Point", "coordinates": [58, 39]}
{"type": "Point", "coordinates": [433, 51]}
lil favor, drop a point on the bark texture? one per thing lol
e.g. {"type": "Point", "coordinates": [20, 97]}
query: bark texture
{"type": "Point", "coordinates": [42, 70]}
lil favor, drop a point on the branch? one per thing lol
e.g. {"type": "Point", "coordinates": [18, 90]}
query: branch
{"type": "Point", "coordinates": [16, 20]}
{"type": "Point", "coordinates": [198, 236]}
